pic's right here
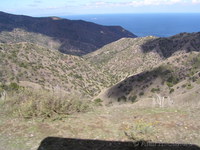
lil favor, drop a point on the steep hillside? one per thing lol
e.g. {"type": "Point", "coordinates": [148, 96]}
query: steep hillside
{"type": "Point", "coordinates": [39, 67]}
{"type": "Point", "coordinates": [74, 37]}
{"type": "Point", "coordinates": [125, 57]}
{"type": "Point", "coordinates": [178, 78]}
{"type": "Point", "coordinates": [20, 35]}
{"type": "Point", "coordinates": [128, 56]}
{"type": "Point", "coordinates": [150, 67]}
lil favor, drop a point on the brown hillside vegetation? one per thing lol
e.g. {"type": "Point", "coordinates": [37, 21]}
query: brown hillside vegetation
{"type": "Point", "coordinates": [27, 63]}
{"type": "Point", "coordinates": [124, 57]}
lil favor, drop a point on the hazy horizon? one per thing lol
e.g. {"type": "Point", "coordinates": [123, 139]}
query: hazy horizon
{"type": "Point", "coordinates": [77, 7]}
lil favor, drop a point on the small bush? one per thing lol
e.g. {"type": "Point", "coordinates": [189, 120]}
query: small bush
{"type": "Point", "coordinates": [194, 79]}
{"type": "Point", "coordinates": [196, 62]}
{"type": "Point", "coordinates": [122, 98]}
{"type": "Point", "coordinates": [133, 98]}
{"type": "Point", "coordinates": [153, 90]}
{"type": "Point", "coordinates": [98, 102]}
{"type": "Point", "coordinates": [24, 65]}
{"type": "Point", "coordinates": [31, 103]}
{"type": "Point", "coordinates": [141, 130]}
{"type": "Point", "coordinates": [171, 81]}
{"type": "Point", "coordinates": [11, 87]}
{"type": "Point", "coordinates": [169, 84]}
{"type": "Point", "coordinates": [141, 93]}
{"type": "Point", "coordinates": [14, 86]}
{"type": "Point", "coordinates": [184, 85]}
{"type": "Point", "coordinates": [171, 90]}
{"type": "Point", "coordinates": [78, 77]}
{"type": "Point", "coordinates": [189, 86]}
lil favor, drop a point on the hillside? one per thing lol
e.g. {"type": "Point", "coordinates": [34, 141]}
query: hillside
{"type": "Point", "coordinates": [72, 37]}
{"type": "Point", "coordinates": [128, 56]}
{"type": "Point", "coordinates": [124, 57]}
{"type": "Point", "coordinates": [178, 78]}
{"type": "Point", "coordinates": [33, 65]}
{"type": "Point", "coordinates": [152, 67]}
{"type": "Point", "coordinates": [180, 43]}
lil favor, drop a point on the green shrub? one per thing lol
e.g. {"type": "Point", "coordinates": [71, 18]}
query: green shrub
{"type": "Point", "coordinates": [171, 81]}
{"type": "Point", "coordinates": [11, 87]}
{"type": "Point", "coordinates": [133, 98]}
{"type": "Point", "coordinates": [196, 62]}
{"type": "Point", "coordinates": [193, 79]}
{"type": "Point", "coordinates": [171, 90]}
{"type": "Point", "coordinates": [24, 65]}
{"type": "Point", "coordinates": [184, 85]}
{"type": "Point", "coordinates": [141, 93]}
{"type": "Point", "coordinates": [122, 98]}
{"type": "Point", "coordinates": [169, 84]}
{"type": "Point", "coordinates": [98, 102]}
{"type": "Point", "coordinates": [14, 86]}
{"type": "Point", "coordinates": [189, 86]}
{"type": "Point", "coordinates": [140, 130]}
{"type": "Point", "coordinates": [78, 77]}
{"type": "Point", "coordinates": [30, 103]}
{"type": "Point", "coordinates": [153, 90]}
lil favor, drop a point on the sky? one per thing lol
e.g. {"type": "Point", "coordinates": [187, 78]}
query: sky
{"type": "Point", "coordinates": [81, 7]}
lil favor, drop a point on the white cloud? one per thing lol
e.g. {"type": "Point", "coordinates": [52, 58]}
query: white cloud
{"type": "Point", "coordinates": [154, 2]}
{"type": "Point", "coordinates": [137, 3]}
{"type": "Point", "coordinates": [196, 1]}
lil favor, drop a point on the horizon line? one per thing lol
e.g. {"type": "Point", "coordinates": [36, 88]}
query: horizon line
{"type": "Point", "coordinates": [126, 13]}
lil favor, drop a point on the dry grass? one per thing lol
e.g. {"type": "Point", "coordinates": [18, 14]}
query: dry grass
{"type": "Point", "coordinates": [122, 122]}
{"type": "Point", "coordinates": [29, 103]}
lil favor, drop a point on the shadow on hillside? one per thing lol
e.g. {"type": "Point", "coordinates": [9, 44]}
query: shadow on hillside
{"type": "Point", "coordinates": [55, 143]}
{"type": "Point", "coordinates": [142, 81]}
{"type": "Point", "coordinates": [166, 47]}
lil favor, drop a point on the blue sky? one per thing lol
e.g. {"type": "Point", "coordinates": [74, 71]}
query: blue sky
{"type": "Point", "coordinates": [73, 7]}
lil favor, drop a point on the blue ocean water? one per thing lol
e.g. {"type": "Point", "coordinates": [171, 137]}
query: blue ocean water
{"type": "Point", "coordinates": [160, 25]}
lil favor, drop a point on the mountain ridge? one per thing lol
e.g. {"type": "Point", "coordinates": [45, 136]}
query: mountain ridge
{"type": "Point", "coordinates": [76, 37]}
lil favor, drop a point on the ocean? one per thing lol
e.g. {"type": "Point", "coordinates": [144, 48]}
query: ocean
{"type": "Point", "coordinates": [160, 25]}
